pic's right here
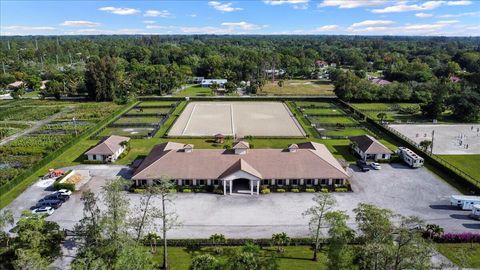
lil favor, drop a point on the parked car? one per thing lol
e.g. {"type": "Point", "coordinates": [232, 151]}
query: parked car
{"type": "Point", "coordinates": [57, 196]}
{"type": "Point", "coordinates": [362, 164]}
{"type": "Point", "coordinates": [65, 192]}
{"type": "Point", "coordinates": [376, 165]}
{"type": "Point", "coordinates": [52, 203]}
{"type": "Point", "coordinates": [43, 210]}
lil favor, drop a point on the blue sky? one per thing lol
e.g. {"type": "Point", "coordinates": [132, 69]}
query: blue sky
{"type": "Point", "coordinates": [332, 17]}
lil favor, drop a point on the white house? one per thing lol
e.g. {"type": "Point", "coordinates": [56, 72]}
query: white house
{"type": "Point", "coordinates": [209, 82]}
{"type": "Point", "coordinates": [108, 149]}
{"type": "Point", "coordinates": [368, 147]}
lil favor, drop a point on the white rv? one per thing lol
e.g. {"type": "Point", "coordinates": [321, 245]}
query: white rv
{"type": "Point", "coordinates": [409, 157]}
{"type": "Point", "coordinates": [464, 202]}
{"type": "Point", "coordinates": [475, 212]}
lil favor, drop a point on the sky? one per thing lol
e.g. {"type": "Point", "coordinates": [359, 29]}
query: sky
{"type": "Point", "coordinates": [314, 17]}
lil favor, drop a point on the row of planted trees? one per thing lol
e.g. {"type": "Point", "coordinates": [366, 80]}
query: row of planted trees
{"type": "Point", "coordinates": [112, 236]}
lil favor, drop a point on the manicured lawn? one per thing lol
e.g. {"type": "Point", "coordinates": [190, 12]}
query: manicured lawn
{"type": "Point", "coordinates": [140, 131]}
{"type": "Point", "coordinates": [195, 90]}
{"type": "Point", "coordinates": [306, 104]}
{"type": "Point", "coordinates": [467, 163]}
{"type": "Point", "coordinates": [298, 87]}
{"type": "Point", "coordinates": [345, 132]}
{"type": "Point", "coordinates": [148, 111]}
{"type": "Point", "coordinates": [32, 94]}
{"type": "Point", "coordinates": [384, 106]}
{"type": "Point", "coordinates": [294, 257]}
{"type": "Point", "coordinates": [332, 111]}
{"type": "Point", "coordinates": [130, 120]}
{"type": "Point", "coordinates": [464, 255]}
{"type": "Point", "coordinates": [331, 120]}
{"type": "Point", "coordinates": [156, 103]}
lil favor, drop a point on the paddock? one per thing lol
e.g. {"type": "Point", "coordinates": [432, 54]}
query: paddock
{"type": "Point", "coordinates": [449, 139]}
{"type": "Point", "coordinates": [240, 119]}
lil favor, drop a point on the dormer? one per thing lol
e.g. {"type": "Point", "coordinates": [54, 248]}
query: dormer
{"type": "Point", "coordinates": [241, 147]}
{"type": "Point", "coordinates": [188, 148]}
{"type": "Point", "coordinates": [293, 148]}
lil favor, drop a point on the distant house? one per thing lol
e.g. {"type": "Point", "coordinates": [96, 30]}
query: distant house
{"type": "Point", "coordinates": [333, 65]}
{"type": "Point", "coordinates": [197, 79]}
{"type": "Point", "coordinates": [379, 81]}
{"type": "Point", "coordinates": [209, 82]}
{"type": "Point", "coordinates": [16, 85]}
{"type": "Point", "coordinates": [275, 72]}
{"type": "Point", "coordinates": [321, 63]}
{"type": "Point", "coordinates": [368, 147]}
{"type": "Point", "coordinates": [454, 79]}
{"type": "Point", "coordinates": [44, 84]}
{"type": "Point", "coordinates": [108, 149]}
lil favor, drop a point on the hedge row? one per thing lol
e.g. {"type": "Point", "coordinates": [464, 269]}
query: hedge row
{"type": "Point", "coordinates": [264, 242]}
{"type": "Point", "coordinates": [17, 180]}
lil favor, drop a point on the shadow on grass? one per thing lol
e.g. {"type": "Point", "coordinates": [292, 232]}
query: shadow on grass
{"type": "Point", "coordinates": [80, 158]}
{"type": "Point", "coordinates": [344, 150]}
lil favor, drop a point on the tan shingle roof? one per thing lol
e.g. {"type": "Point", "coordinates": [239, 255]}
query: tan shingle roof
{"type": "Point", "coordinates": [108, 146]}
{"type": "Point", "coordinates": [241, 145]}
{"type": "Point", "coordinates": [370, 145]}
{"type": "Point", "coordinates": [312, 160]}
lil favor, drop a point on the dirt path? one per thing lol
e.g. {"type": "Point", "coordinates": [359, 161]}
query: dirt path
{"type": "Point", "coordinates": [37, 125]}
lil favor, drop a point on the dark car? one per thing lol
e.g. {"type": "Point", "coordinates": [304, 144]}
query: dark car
{"type": "Point", "coordinates": [57, 196]}
{"type": "Point", "coordinates": [362, 164]}
{"type": "Point", "coordinates": [52, 203]}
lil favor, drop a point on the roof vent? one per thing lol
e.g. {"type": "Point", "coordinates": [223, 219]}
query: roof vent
{"type": "Point", "coordinates": [293, 148]}
{"type": "Point", "coordinates": [187, 148]}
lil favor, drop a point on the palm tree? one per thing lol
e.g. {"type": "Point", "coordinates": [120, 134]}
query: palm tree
{"type": "Point", "coordinates": [424, 145]}
{"type": "Point", "coordinates": [152, 239]}
{"type": "Point", "coordinates": [433, 230]}
{"type": "Point", "coordinates": [279, 240]}
{"type": "Point", "coordinates": [382, 116]}
{"type": "Point", "coordinates": [216, 240]}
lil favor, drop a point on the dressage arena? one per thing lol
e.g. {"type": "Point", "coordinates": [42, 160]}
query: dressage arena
{"type": "Point", "coordinates": [270, 119]}
{"type": "Point", "coordinates": [460, 139]}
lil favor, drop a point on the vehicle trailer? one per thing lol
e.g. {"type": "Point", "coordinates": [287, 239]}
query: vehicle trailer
{"type": "Point", "coordinates": [464, 202]}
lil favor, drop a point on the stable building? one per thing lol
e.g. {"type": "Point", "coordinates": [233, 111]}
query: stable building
{"type": "Point", "coordinates": [368, 147]}
{"type": "Point", "coordinates": [209, 82]}
{"type": "Point", "coordinates": [241, 168]}
{"type": "Point", "coordinates": [108, 149]}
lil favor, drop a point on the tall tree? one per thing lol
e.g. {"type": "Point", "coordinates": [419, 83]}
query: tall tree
{"type": "Point", "coordinates": [339, 254]}
{"type": "Point", "coordinates": [323, 203]}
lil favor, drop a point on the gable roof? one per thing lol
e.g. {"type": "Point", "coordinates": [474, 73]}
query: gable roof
{"type": "Point", "coordinates": [312, 160]}
{"type": "Point", "coordinates": [370, 145]}
{"type": "Point", "coordinates": [108, 145]}
{"type": "Point", "coordinates": [241, 165]}
{"type": "Point", "coordinates": [241, 145]}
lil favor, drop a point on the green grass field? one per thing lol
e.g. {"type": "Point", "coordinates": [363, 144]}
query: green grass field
{"type": "Point", "coordinates": [298, 87]}
{"type": "Point", "coordinates": [464, 255]}
{"type": "Point", "coordinates": [332, 111]}
{"type": "Point", "coordinates": [156, 103]}
{"type": "Point", "coordinates": [194, 90]}
{"type": "Point", "coordinates": [141, 111]}
{"type": "Point", "coordinates": [331, 120]}
{"type": "Point", "coordinates": [294, 257]}
{"type": "Point", "coordinates": [467, 163]}
{"type": "Point", "coordinates": [306, 104]}
{"type": "Point", "coordinates": [383, 106]}
{"type": "Point", "coordinates": [131, 120]}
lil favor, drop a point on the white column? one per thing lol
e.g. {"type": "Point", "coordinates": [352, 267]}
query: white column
{"type": "Point", "coordinates": [287, 182]}
{"type": "Point", "coordinates": [258, 187]}
{"type": "Point", "coordinates": [301, 182]}
{"type": "Point", "coordinates": [315, 182]}
{"type": "Point", "coordinates": [224, 188]}
{"type": "Point", "coordinates": [230, 185]}
{"type": "Point", "coordinates": [194, 182]}
{"type": "Point", "coordinates": [251, 187]}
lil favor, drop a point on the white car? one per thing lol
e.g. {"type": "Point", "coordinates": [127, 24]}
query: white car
{"type": "Point", "coordinates": [375, 165]}
{"type": "Point", "coordinates": [43, 210]}
{"type": "Point", "coordinates": [64, 192]}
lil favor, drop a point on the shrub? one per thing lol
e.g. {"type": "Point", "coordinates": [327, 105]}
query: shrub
{"type": "Point", "coordinates": [280, 190]}
{"type": "Point", "coordinates": [57, 186]}
{"type": "Point", "coordinates": [341, 189]}
{"type": "Point", "coordinates": [187, 190]}
{"type": "Point", "coordinates": [459, 238]}
{"type": "Point", "coordinates": [296, 190]}
{"type": "Point", "coordinates": [218, 191]}
{"type": "Point", "coordinates": [311, 190]}
{"type": "Point", "coordinates": [86, 161]}
{"type": "Point", "coordinates": [324, 190]}
{"type": "Point", "coordinates": [265, 191]}
{"type": "Point", "coordinates": [138, 190]}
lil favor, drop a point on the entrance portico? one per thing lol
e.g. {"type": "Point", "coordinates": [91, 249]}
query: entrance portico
{"type": "Point", "coordinates": [253, 185]}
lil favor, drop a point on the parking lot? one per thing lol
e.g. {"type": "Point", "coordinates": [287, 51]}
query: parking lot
{"type": "Point", "coordinates": [403, 190]}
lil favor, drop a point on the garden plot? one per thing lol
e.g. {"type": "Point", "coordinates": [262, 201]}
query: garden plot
{"type": "Point", "coordinates": [157, 104]}
{"type": "Point", "coordinates": [270, 119]}
{"type": "Point", "coordinates": [449, 139]}
{"type": "Point", "coordinates": [138, 120]}
{"type": "Point", "coordinates": [127, 131]}
{"type": "Point", "coordinates": [148, 111]}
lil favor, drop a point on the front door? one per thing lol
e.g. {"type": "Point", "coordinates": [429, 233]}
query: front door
{"type": "Point", "coordinates": [241, 185]}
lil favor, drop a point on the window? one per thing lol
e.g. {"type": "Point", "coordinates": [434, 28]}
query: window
{"type": "Point", "coordinates": [143, 182]}
{"type": "Point", "coordinates": [280, 182]}
{"type": "Point", "coordinates": [323, 181]}
{"type": "Point", "coordinates": [201, 182]}
{"type": "Point", "coordinates": [308, 182]}
{"type": "Point", "coordinates": [294, 182]}
{"type": "Point", "coordinates": [215, 182]}
{"type": "Point", "coordinates": [338, 181]}
{"type": "Point", "coordinates": [265, 182]}
{"type": "Point", "coordinates": [187, 182]}
{"type": "Point", "coordinates": [384, 156]}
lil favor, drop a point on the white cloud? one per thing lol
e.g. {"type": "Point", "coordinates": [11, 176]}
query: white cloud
{"type": "Point", "coordinates": [223, 7]}
{"type": "Point", "coordinates": [448, 22]}
{"type": "Point", "coordinates": [205, 30]}
{"type": "Point", "coordinates": [327, 28]}
{"type": "Point", "coordinates": [281, 2]}
{"type": "Point", "coordinates": [466, 14]}
{"type": "Point", "coordinates": [120, 11]}
{"type": "Point", "coordinates": [352, 3]}
{"type": "Point", "coordinates": [423, 15]}
{"type": "Point", "coordinates": [459, 3]}
{"type": "Point", "coordinates": [155, 26]}
{"type": "Point", "coordinates": [149, 22]}
{"type": "Point", "coordinates": [28, 28]}
{"type": "Point", "coordinates": [15, 30]}
{"type": "Point", "coordinates": [80, 24]}
{"type": "Point", "coordinates": [241, 25]}
{"type": "Point", "coordinates": [403, 7]}
{"type": "Point", "coordinates": [373, 23]}
{"type": "Point", "coordinates": [193, 15]}
{"type": "Point", "coordinates": [157, 13]}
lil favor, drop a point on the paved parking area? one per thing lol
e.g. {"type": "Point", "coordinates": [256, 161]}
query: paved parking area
{"type": "Point", "coordinates": [403, 190]}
